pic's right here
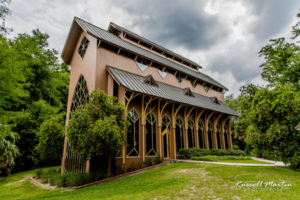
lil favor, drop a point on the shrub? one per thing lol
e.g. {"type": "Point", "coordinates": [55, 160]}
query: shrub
{"type": "Point", "coordinates": [235, 147]}
{"type": "Point", "coordinates": [149, 162]}
{"type": "Point", "coordinates": [133, 167]}
{"type": "Point", "coordinates": [220, 158]}
{"type": "Point", "coordinates": [247, 151]}
{"type": "Point", "coordinates": [159, 159]}
{"type": "Point", "coordinates": [189, 153]}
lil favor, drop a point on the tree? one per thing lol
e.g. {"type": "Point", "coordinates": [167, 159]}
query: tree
{"type": "Point", "coordinates": [97, 129]}
{"type": "Point", "coordinates": [51, 138]}
{"type": "Point", "coordinates": [272, 117]}
{"type": "Point", "coordinates": [8, 150]}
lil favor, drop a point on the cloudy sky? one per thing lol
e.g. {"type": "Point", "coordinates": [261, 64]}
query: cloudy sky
{"type": "Point", "coordinates": [223, 36]}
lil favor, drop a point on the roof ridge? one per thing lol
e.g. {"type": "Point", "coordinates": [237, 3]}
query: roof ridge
{"type": "Point", "coordinates": [182, 69]}
{"type": "Point", "coordinates": [156, 44]}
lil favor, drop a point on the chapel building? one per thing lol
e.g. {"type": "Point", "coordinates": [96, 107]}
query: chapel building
{"type": "Point", "coordinates": [171, 104]}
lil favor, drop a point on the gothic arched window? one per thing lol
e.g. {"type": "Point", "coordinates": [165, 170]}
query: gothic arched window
{"type": "Point", "coordinates": [133, 134]}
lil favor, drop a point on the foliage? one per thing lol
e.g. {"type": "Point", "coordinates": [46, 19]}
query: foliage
{"type": "Point", "coordinates": [28, 124]}
{"type": "Point", "coordinates": [51, 138]}
{"type": "Point", "coordinates": [192, 152]}
{"type": "Point", "coordinates": [30, 81]}
{"type": "Point", "coordinates": [235, 147]}
{"type": "Point", "coordinates": [8, 150]}
{"type": "Point", "coordinates": [159, 159]}
{"type": "Point", "coordinates": [247, 151]}
{"type": "Point", "coordinates": [273, 116]}
{"type": "Point", "coordinates": [97, 129]}
{"type": "Point", "coordinates": [220, 158]}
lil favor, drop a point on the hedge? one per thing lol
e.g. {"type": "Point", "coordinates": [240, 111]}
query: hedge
{"type": "Point", "coordinates": [189, 153]}
{"type": "Point", "coordinates": [220, 158]}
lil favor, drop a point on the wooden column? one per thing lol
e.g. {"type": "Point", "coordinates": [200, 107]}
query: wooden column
{"type": "Point", "coordinates": [159, 128]}
{"type": "Point", "coordinates": [216, 120]}
{"type": "Point", "coordinates": [143, 128]}
{"type": "Point", "coordinates": [229, 136]}
{"type": "Point", "coordinates": [223, 133]}
{"type": "Point", "coordinates": [207, 117]}
{"type": "Point", "coordinates": [63, 160]}
{"type": "Point", "coordinates": [196, 130]}
{"type": "Point", "coordinates": [121, 99]}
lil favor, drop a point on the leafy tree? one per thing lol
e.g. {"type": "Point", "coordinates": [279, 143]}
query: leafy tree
{"type": "Point", "coordinates": [8, 150]}
{"type": "Point", "coordinates": [51, 138]}
{"type": "Point", "coordinates": [28, 124]}
{"type": "Point", "coordinates": [97, 129]}
{"type": "Point", "coordinates": [272, 116]}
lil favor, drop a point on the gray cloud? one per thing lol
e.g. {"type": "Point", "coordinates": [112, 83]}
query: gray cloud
{"type": "Point", "coordinates": [176, 23]}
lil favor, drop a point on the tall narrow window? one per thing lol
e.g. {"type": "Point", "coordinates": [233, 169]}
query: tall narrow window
{"type": "Point", "coordinates": [179, 135]}
{"type": "Point", "coordinates": [210, 138]}
{"type": "Point", "coordinates": [83, 47]}
{"type": "Point", "coordinates": [165, 123]}
{"type": "Point", "coordinates": [201, 135]}
{"type": "Point", "coordinates": [206, 88]}
{"type": "Point", "coordinates": [150, 135]}
{"type": "Point", "coordinates": [218, 136]}
{"type": "Point", "coordinates": [133, 134]}
{"type": "Point", "coordinates": [226, 136]}
{"type": "Point", "coordinates": [191, 137]}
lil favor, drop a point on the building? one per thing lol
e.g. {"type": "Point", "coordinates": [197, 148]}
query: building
{"type": "Point", "coordinates": [171, 104]}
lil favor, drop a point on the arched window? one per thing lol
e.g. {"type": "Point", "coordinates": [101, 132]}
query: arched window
{"type": "Point", "coordinates": [150, 135]}
{"type": "Point", "coordinates": [201, 135]}
{"type": "Point", "coordinates": [81, 94]}
{"type": "Point", "coordinates": [210, 132]}
{"type": "Point", "coordinates": [179, 135]}
{"type": "Point", "coordinates": [133, 134]}
{"type": "Point", "coordinates": [191, 137]}
{"type": "Point", "coordinates": [219, 136]}
{"type": "Point", "coordinates": [226, 136]}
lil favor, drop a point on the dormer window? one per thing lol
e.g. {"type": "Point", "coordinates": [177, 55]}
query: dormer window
{"type": "Point", "coordinates": [83, 47]}
{"type": "Point", "coordinates": [150, 80]}
{"type": "Point", "coordinates": [142, 64]}
{"type": "Point", "coordinates": [215, 100]}
{"type": "Point", "coordinates": [188, 92]}
{"type": "Point", "coordinates": [162, 72]}
{"type": "Point", "coordinates": [194, 83]}
{"type": "Point", "coordinates": [179, 77]}
{"type": "Point", "coordinates": [206, 88]}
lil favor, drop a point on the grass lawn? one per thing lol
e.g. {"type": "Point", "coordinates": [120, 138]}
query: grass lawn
{"type": "Point", "coordinates": [246, 161]}
{"type": "Point", "coordinates": [174, 181]}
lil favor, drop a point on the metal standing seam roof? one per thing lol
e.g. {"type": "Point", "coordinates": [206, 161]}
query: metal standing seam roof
{"type": "Point", "coordinates": [120, 28]}
{"type": "Point", "coordinates": [136, 83]}
{"type": "Point", "coordinates": [110, 38]}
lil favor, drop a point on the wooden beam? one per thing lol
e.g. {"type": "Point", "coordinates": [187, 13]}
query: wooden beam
{"type": "Point", "coordinates": [163, 53]}
{"type": "Point", "coordinates": [99, 43]}
{"type": "Point", "coordinates": [181, 62]}
{"type": "Point", "coordinates": [151, 48]}
{"type": "Point", "coordinates": [151, 63]}
{"type": "Point", "coordinates": [194, 81]}
{"type": "Point", "coordinates": [173, 58]}
{"type": "Point", "coordinates": [119, 51]}
{"type": "Point", "coordinates": [191, 65]}
{"type": "Point", "coordinates": [199, 115]}
{"type": "Point", "coordinates": [136, 57]}
{"type": "Point", "coordinates": [175, 73]}
{"type": "Point", "coordinates": [211, 87]}
{"type": "Point", "coordinates": [185, 76]}
{"type": "Point", "coordinates": [124, 35]}
{"type": "Point", "coordinates": [203, 84]}
{"type": "Point", "coordinates": [164, 69]}
{"type": "Point", "coordinates": [139, 41]}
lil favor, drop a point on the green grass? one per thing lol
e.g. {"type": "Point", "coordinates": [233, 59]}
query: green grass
{"type": "Point", "coordinates": [245, 161]}
{"type": "Point", "coordinates": [220, 158]}
{"type": "Point", "coordinates": [175, 181]}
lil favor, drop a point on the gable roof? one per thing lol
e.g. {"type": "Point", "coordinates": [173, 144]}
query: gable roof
{"type": "Point", "coordinates": [116, 41]}
{"type": "Point", "coordinates": [152, 79]}
{"type": "Point", "coordinates": [128, 32]}
{"type": "Point", "coordinates": [186, 90]}
{"type": "Point", "coordinates": [135, 83]}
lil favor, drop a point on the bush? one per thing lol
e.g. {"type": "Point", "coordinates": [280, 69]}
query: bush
{"type": "Point", "coordinates": [159, 159]}
{"type": "Point", "coordinates": [220, 158]}
{"type": "Point", "coordinates": [189, 153]}
{"type": "Point", "coordinates": [247, 151]}
{"type": "Point", "coordinates": [235, 147]}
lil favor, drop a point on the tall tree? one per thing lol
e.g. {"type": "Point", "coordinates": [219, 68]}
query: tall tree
{"type": "Point", "coordinates": [4, 11]}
